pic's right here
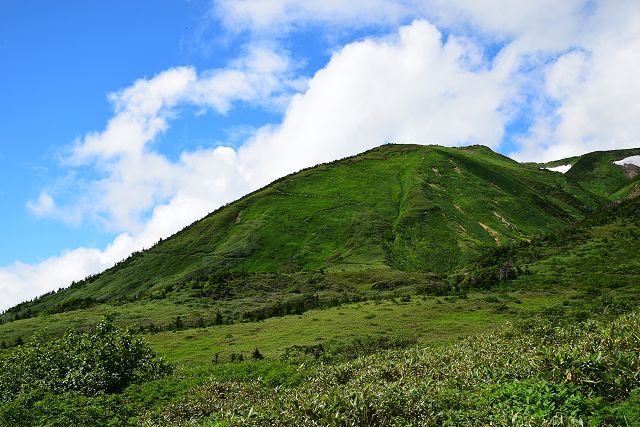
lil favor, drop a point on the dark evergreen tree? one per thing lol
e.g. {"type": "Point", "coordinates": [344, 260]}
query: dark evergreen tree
{"type": "Point", "coordinates": [218, 319]}
{"type": "Point", "coordinates": [257, 355]}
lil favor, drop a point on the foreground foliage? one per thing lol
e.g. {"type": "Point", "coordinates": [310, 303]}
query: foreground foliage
{"type": "Point", "coordinates": [533, 373]}
{"type": "Point", "coordinates": [104, 361]}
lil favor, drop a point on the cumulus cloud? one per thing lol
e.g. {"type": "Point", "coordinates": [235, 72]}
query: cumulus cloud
{"type": "Point", "coordinates": [588, 90]}
{"type": "Point", "coordinates": [136, 177]}
{"type": "Point", "coordinates": [567, 60]}
{"type": "Point", "coordinates": [412, 88]}
{"type": "Point", "coordinates": [543, 23]}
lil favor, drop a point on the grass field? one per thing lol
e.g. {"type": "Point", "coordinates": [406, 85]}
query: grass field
{"type": "Point", "coordinates": [432, 320]}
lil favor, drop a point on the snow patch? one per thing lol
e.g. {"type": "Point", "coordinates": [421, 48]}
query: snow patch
{"type": "Point", "coordinates": [561, 168]}
{"type": "Point", "coordinates": [633, 160]}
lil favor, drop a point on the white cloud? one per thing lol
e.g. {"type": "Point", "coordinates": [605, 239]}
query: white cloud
{"type": "Point", "coordinates": [278, 16]}
{"type": "Point", "coordinates": [545, 24]}
{"type": "Point", "coordinates": [21, 282]}
{"type": "Point", "coordinates": [587, 51]}
{"type": "Point", "coordinates": [44, 206]}
{"type": "Point", "coordinates": [593, 89]}
{"type": "Point", "coordinates": [566, 73]}
{"type": "Point", "coordinates": [135, 177]}
{"type": "Point", "coordinates": [260, 77]}
{"type": "Point", "coordinates": [141, 113]}
{"type": "Point", "coordinates": [411, 88]}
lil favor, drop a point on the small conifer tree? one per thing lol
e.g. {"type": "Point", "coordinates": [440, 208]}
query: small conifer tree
{"type": "Point", "coordinates": [218, 319]}
{"type": "Point", "coordinates": [257, 355]}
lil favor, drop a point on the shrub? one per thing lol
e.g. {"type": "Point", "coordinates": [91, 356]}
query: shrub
{"type": "Point", "coordinates": [584, 374]}
{"type": "Point", "coordinates": [106, 360]}
{"type": "Point", "coordinates": [65, 410]}
{"type": "Point", "coordinates": [257, 355]}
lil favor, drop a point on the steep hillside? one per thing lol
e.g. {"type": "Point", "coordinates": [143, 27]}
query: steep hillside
{"type": "Point", "coordinates": [397, 207]}
{"type": "Point", "coordinates": [597, 255]}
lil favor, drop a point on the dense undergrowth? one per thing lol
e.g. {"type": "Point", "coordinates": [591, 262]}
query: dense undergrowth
{"type": "Point", "coordinates": [43, 382]}
{"type": "Point", "coordinates": [545, 368]}
{"type": "Point", "coordinates": [530, 373]}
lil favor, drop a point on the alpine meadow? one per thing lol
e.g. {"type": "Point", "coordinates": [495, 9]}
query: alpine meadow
{"type": "Point", "coordinates": [350, 213]}
{"type": "Point", "coordinates": [463, 288]}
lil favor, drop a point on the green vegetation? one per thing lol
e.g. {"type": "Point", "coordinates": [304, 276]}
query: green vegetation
{"type": "Point", "coordinates": [431, 209]}
{"type": "Point", "coordinates": [462, 289]}
{"type": "Point", "coordinates": [596, 173]}
{"type": "Point", "coordinates": [539, 375]}
{"type": "Point", "coordinates": [75, 369]}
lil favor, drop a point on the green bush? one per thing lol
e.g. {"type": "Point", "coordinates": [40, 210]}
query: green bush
{"type": "Point", "coordinates": [40, 408]}
{"type": "Point", "coordinates": [103, 361]}
{"type": "Point", "coordinates": [536, 399]}
{"type": "Point", "coordinates": [624, 413]}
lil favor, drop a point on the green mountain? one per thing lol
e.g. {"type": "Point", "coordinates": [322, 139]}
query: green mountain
{"type": "Point", "coordinates": [407, 285]}
{"type": "Point", "coordinates": [396, 207]}
{"type": "Point", "coordinates": [597, 173]}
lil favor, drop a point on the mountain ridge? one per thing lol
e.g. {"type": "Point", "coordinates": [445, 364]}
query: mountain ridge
{"type": "Point", "coordinates": [431, 208]}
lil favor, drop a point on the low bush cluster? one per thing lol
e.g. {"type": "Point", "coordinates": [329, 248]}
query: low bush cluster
{"type": "Point", "coordinates": [586, 374]}
{"type": "Point", "coordinates": [104, 361]}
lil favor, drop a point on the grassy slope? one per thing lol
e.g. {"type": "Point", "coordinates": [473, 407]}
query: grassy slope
{"type": "Point", "coordinates": [589, 264]}
{"type": "Point", "coordinates": [428, 320]}
{"type": "Point", "coordinates": [402, 207]}
{"type": "Point", "coordinates": [596, 256]}
{"type": "Point", "coordinates": [596, 172]}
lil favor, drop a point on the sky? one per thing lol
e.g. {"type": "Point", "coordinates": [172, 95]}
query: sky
{"type": "Point", "coordinates": [123, 121]}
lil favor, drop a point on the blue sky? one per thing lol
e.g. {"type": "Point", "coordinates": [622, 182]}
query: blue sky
{"type": "Point", "coordinates": [123, 121]}
{"type": "Point", "coordinates": [62, 58]}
